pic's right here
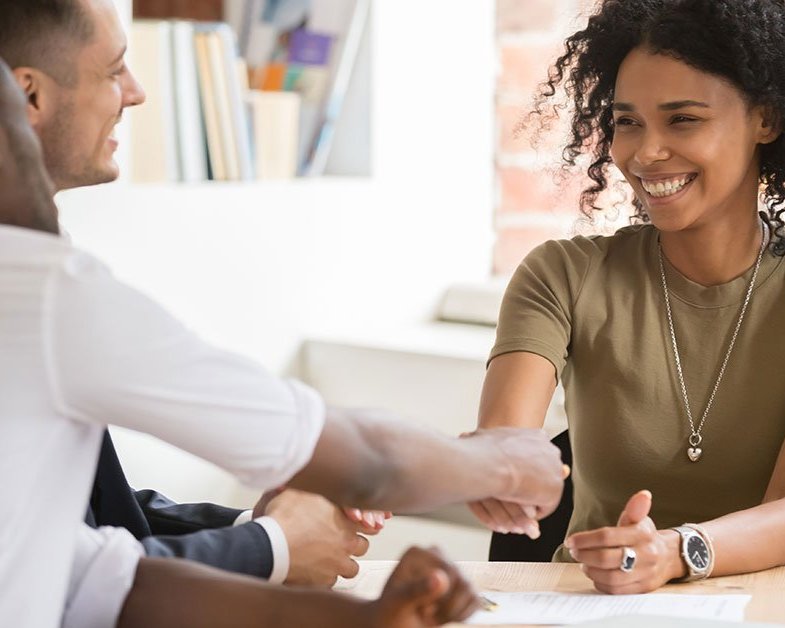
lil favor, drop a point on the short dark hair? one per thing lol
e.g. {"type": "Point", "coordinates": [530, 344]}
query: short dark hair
{"type": "Point", "coordinates": [41, 34]}
{"type": "Point", "coordinates": [742, 41]}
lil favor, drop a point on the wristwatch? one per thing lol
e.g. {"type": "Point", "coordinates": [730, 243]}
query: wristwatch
{"type": "Point", "coordinates": [697, 552]}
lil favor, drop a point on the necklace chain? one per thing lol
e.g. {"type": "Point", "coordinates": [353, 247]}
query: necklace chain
{"type": "Point", "coordinates": [695, 435]}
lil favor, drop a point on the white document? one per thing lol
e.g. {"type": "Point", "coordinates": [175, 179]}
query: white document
{"type": "Point", "coordinates": [571, 608]}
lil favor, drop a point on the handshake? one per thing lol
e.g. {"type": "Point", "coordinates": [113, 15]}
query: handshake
{"type": "Point", "coordinates": [536, 477]}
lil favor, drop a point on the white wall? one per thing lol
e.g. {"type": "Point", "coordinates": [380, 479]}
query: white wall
{"type": "Point", "coordinates": [258, 268]}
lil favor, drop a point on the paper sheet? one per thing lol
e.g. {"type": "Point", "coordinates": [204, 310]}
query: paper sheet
{"type": "Point", "coordinates": [571, 608]}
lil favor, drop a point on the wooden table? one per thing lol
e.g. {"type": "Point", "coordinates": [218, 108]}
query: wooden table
{"type": "Point", "coordinates": [767, 587]}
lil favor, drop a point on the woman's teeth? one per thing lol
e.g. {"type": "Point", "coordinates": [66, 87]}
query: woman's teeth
{"type": "Point", "coordinates": [666, 187]}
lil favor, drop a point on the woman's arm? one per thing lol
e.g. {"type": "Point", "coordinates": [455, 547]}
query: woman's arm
{"type": "Point", "coordinates": [749, 540]}
{"type": "Point", "coordinates": [776, 488]}
{"type": "Point", "coordinates": [744, 541]}
{"type": "Point", "coordinates": [517, 390]}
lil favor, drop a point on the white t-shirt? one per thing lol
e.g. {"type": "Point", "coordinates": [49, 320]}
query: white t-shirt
{"type": "Point", "coordinates": [80, 350]}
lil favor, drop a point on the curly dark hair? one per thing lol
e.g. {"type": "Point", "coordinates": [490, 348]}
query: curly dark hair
{"type": "Point", "coordinates": [742, 41]}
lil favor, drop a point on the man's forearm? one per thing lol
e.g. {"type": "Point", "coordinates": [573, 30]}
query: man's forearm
{"type": "Point", "coordinates": [171, 592]}
{"type": "Point", "coordinates": [385, 464]}
{"type": "Point", "coordinates": [430, 470]}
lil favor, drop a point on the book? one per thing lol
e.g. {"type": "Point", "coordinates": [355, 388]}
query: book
{"type": "Point", "coordinates": [310, 47]}
{"type": "Point", "coordinates": [215, 149]}
{"type": "Point", "coordinates": [191, 138]}
{"type": "Point", "coordinates": [308, 71]}
{"type": "Point", "coordinates": [222, 90]}
{"type": "Point", "coordinates": [276, 121]}
{"type": "Point", "coordinates": [222, 101]}
{"type": "Point", "coordinates": [153, 126]}
{"type": "Point", "coordinates": [235, 91]}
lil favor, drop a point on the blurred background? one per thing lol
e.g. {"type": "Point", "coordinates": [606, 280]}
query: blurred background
{"type": "Point", "coordinates": [338, 189]}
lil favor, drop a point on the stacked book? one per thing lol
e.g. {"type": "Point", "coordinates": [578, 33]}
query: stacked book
{"type": "Point", "coordinates": [194, 125]}
{"type": "Point", "coordinates": [208, 117]}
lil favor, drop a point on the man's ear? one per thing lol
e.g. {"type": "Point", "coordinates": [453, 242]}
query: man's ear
{"type": "Point", "coordinates": [31, 82]}
{"type": "Point", "coordinates": [770, 125]}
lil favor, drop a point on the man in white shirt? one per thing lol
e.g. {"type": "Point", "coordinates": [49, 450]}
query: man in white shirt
{"type": "Point", "coordinates": [79, 350]}
{"type": "Point", "coordinates": [76, 97]}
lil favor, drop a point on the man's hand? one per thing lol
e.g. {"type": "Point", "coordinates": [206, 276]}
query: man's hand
{"type": "Point", "coordinates": [424, 590]}
{"type": "Point", "coordinates": [370, 521]}
{"type": "Point", "coordinates": [320, 536]}
{"type": "Point", "coordinates": [657, 552]}
{"type": "Point", "coordinates": [537, 481]}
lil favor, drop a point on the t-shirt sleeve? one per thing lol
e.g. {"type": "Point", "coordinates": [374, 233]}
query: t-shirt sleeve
{"type": "Point", "coordinates": [537, 308]}
{"type": "Point", "coordinates": [117, 357]}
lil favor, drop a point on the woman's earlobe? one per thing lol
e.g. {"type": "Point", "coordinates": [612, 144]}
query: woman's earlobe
{"type": "Point", "coordinates": [771, 126]}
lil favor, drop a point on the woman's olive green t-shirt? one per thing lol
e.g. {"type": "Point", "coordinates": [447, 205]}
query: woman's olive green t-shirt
{"type": "Point", "coordinates": [594, 307]}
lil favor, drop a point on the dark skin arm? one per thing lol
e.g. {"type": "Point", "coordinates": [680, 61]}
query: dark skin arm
{"type": "Point", "coordinates": [376, 463]}
{"type": "Point", "coordinates": [424, 590]}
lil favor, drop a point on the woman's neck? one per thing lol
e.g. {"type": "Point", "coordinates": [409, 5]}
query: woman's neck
{"type": "Point", "coordinates": [714, 254]}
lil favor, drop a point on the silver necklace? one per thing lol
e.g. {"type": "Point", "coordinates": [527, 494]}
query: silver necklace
{"type": "Point", "coordinates": [694, 451]}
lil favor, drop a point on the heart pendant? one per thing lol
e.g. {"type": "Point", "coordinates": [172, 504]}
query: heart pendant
{"type": "Point", "coordinates": [694, 453]}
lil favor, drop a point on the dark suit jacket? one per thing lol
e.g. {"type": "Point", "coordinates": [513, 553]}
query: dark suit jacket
{"type": "Point", "coordinates": [200, 532]}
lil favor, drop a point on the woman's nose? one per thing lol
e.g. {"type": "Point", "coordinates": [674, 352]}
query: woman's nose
{"type": "Point", "coordinates": [652, 148]}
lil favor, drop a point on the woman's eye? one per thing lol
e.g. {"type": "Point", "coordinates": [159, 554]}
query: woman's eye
{"type": "Point", "coordinates": [680, 119]}
{"type": "Point", "coordinates": [624, 122]}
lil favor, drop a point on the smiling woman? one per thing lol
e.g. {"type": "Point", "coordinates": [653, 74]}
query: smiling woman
{"type": "Point", "coordinates": [666, 335]}
{"type": "Point", "coordinates": [690, 151]}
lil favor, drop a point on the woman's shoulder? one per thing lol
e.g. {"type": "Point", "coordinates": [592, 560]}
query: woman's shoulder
{"type": "Point", "coordinates": [581, 250]}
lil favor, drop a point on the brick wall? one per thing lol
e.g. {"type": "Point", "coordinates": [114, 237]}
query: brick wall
{"type": "Point", "coordinates": [530, 205]}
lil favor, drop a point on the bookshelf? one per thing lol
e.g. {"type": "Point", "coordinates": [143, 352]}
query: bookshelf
{"type": "Point", "coordinates": [201, 121]}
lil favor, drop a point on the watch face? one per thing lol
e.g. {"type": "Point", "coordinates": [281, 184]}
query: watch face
{"type": "Point", "coordinates": [698, 553]}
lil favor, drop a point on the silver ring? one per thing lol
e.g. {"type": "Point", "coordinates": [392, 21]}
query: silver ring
{"type": "Point", "coordinates": [628, 558]}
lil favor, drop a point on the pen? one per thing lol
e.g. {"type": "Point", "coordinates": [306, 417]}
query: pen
{"type": "Point", "coordinates": [488, 605]}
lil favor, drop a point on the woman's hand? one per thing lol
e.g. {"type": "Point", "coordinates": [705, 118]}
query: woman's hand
{"type": "Point", "coordinates": [510, 517]}
{"type": "Point", "coordinates": [507, 517]}
{"type": "Point", "coordinates": [372, 520]}
{"type": "Point", "coordinates": [602, 551]}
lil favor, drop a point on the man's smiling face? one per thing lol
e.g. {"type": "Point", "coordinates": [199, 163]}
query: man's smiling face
{"type": "Point", "coordinates": [77, 126]}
